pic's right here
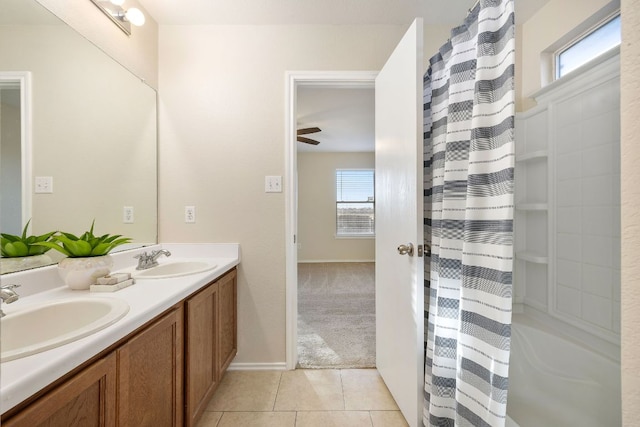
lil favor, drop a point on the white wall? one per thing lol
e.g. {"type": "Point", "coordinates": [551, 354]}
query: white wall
{"type": "Point", "coordinates": [317, 208]}
{"type": "Point", "coordinates": [138, 52]}
{"type": "Point", "coordinates": [222, 130]}
{"type": "Point", "coordinates": [630, 88]}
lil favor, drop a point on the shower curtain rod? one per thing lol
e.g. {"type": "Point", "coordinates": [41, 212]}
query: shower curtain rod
{"type": "Point", "coordinates": [473, 7]}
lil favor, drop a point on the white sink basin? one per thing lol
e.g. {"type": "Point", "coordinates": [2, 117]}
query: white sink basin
{"type": "Point", "coordinates": [174, 269]}
{"type": "Point", "coordinates": [51, 324]}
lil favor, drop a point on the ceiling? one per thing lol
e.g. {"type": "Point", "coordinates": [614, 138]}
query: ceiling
{"type": "Point", "coordinates": [345, 116]}
{"type": "Point", "coordinates": [309, 12]}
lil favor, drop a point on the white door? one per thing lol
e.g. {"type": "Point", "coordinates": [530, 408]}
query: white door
{"type": "Point", "coordinates": [399, 213]}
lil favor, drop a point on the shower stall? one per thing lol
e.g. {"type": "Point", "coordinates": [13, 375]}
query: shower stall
{"type": "Point", "coordinates": [565, 350]}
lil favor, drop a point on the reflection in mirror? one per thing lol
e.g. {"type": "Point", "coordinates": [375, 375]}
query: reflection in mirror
{"type": "Point", "coordinates": [93, 130]}
{"type": "Point", "coordinates": [14, 168]}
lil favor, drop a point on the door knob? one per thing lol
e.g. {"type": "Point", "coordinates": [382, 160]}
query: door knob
{"type": "Point", "coordinates": [406, 249]}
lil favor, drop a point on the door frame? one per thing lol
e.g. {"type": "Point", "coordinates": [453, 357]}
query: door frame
{"type": "Point", "coordinates": [295, 79]}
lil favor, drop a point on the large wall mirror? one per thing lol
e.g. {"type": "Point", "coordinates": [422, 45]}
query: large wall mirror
{"type": "Point", "coordinates": [93, 130]}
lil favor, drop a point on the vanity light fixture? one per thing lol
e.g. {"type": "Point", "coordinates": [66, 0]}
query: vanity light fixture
{"type": "Point", "coordinates": [122, 18]}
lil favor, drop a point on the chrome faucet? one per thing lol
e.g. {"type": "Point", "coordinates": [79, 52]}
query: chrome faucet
{"type": "Point", "coordinates": [8, 295]}
{"type": "Point", "coordinates": [146, 260]}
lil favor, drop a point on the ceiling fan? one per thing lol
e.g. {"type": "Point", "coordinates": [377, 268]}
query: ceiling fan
{"type": "Point", "coordinates": [306, 131]}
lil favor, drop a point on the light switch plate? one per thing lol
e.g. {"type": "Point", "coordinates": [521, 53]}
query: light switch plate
{"type": "Point", "coordinates": [273, 184]}
{"type": "Point", "coordinates": [44, 184]}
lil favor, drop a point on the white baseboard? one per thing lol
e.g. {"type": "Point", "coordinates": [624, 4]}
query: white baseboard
{"type": "Point", "coordinates": [318, 261]}
{"type": "Point", "coordinates": [278, 366]}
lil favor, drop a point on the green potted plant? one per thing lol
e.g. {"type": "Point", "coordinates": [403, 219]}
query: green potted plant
{"type": "Point", "coordinates": [22, 252]}
{"type": "Point", "coordinates": [87, 256]}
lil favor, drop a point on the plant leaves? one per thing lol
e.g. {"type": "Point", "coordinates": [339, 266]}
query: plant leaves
{"type": "Point", "coordinates": [24, 231]}
{"type": "Point", "coordinates": [72, 246]}
{"type": "Point", "coordinates": [16, 249]}
{"type": "Point", "coordinates": [10, 237]}
{"type": "Point", "coordinates": [69, 236]}
{"type": "Point", "coordinates": [55, 246]}
{"type": "Point", "coordinates": [101, 249]}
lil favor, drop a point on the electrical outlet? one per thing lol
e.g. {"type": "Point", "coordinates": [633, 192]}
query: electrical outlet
{"type": "Point", "coordinates": [273, 184]}
{"type": "Point", "coordinates": [127, 214]}
{"type": "Point", "coordinates": [44, 184]}
{"type": "Point", "coordinates": [190, 214]}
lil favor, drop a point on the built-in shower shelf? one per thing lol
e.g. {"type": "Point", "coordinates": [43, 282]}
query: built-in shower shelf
{"type": "Point", "coordinates": [532, 257]}
{"type": "Point", "coordinates": [532, 206]}
{"type": "Point", "coordinates": [540, 154]}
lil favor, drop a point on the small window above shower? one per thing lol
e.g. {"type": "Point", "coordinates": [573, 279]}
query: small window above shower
{"type": "Point", "coordinates": [596, 41]}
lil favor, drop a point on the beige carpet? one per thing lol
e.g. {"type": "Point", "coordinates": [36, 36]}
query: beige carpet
{"type": "Point", "coordinates": [336, 315]}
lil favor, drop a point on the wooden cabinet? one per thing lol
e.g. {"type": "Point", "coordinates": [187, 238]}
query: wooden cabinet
{"type": "Point", "coordinates": [139, 384]}
{"type": "Point", "coordinates": [150, 378]}
{"type": "Point", "coordinates": [201, 377]}
{"type": "Point", "coordinates": [150, 368]}
{"type": "Point", "coordinates": [210, 342]}
{"type": "Point", "coordinates": [86, 399]}
{"type": "Point", "coordinates": [228, 320]}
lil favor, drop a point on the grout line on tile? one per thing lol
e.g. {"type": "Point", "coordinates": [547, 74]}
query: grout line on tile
{"type": "Point", "coordinates": [344, 399]}
{"type": "Point", "coordinates": [219, 420]}
{"type": "Point", "coordinates": [273, 408]}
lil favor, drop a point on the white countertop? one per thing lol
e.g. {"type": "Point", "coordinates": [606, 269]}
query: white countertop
{"type": "Point", "coordinates": [147, 298]}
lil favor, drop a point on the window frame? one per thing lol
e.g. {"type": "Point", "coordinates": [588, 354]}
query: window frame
{"type": "Point", "coordinates": [565, 47]}
{"type": "Point", "coordinates": [343, 235]}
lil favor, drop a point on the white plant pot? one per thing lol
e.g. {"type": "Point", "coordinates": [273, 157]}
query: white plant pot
{"type": "Point", "coordinates": [80, 273]}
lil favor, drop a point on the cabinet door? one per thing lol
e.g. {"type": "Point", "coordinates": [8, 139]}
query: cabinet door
{"type": "Point", "coordinates": [227, 332]}
{"type": "Point", "coordinates": [86, 399]}
{"type": "Point", "coordinates": [201, 378]}
{"type": "Point", "coordinates": [150, 367]}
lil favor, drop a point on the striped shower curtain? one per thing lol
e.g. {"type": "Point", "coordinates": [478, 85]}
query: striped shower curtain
{"type": "Point", "coordinates": [469, 158]}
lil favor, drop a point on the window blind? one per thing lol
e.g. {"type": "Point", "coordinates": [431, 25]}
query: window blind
{"type": "Point", "coordinates": [355, 202]}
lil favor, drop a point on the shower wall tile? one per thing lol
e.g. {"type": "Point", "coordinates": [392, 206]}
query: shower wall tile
{"type": "Point", "coordinates": [568, 300]}
{"type": "Point", "coordinates": [597, 310]}
{"type": "Point", "coordinates": [598, 190]}
{"type": "Point", "coordinates": [616, 317]}
{"type": "Point", "coordinates": [599, 100]}
{"type": "Point", "coordinates": [597, 280]}
{"type": "Point", "coordinates": [598, 220]}
{"type": "Point", "coordinates": [568, 220]}
{"type": "Point", "coordinates": [584, 202]}
{"type": "Point", "coordinates": [569, 138]}
{"type": "Point", "coordinates": [615, 278]}
{"type": "Point", "coordinates": [616, 194]}
{"type": "Point", "coordinates": [569, 111]}
{"type": "Point", "coordinates": [586, 146]}
{"type": "Point", "coordinates": [569, 166]}
{"type": "Point", "coordinates": [616, 252]}
{"type": "Point", "coordinates": [569, 273]}
{"type": "Point", "coordinates": [569, 246]}
{"type": "Point", "coordinates": [536, 132]}
{"type": "Point", "coordinates": [569, 192]}
{"type": "Point", "coordinates": [597, 161]}
{"type": "Point", "coordinates": [597, 250]}
{"type": "Point", "coordinates": [615, 132]}
{"type": "Point", "coordinates": [601, 130]}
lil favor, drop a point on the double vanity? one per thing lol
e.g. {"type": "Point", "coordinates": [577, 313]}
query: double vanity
{"type": "Point", "coordinates": [150, 354]}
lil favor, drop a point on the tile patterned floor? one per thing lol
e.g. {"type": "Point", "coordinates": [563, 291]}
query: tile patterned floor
{"type": "Point", "coordinates": [302, 398]}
